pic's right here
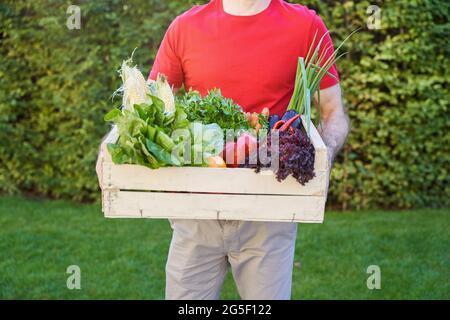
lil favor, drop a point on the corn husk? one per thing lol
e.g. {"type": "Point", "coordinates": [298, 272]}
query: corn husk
{"type": "Point", "coordinates": [135, 89]}
{"type": "Point", "coordinates": [165, 93]}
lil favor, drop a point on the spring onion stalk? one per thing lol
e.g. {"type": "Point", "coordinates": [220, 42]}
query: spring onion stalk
{"type": "Point", "coordinates": [310, 72]}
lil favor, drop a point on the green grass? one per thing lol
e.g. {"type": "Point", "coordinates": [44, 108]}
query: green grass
{"type": "Point", "coordinates": [125, 259]}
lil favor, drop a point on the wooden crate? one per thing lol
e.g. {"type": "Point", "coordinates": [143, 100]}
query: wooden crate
{"type": "Point", "coordinates": [133, 191]}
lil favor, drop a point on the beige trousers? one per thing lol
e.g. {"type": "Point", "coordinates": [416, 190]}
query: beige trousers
{"type": "Point", "coordinates": [261, 256]}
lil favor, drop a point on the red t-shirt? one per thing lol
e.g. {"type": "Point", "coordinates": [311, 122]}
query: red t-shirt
{"type": "Point", "coordinates": [251, 59]}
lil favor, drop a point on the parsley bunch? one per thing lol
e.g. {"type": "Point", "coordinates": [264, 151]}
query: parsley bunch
{"type": "Point", "coordinates": [213, 108]}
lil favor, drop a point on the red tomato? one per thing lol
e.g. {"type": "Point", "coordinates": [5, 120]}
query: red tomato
{"type": "Point", "coordinates": [248, 141]}
{"type": "Point", "coordinates": [235, 153]}
{"type": "Point", "coordinates": [229, 155]}
{"type": "Point", "coordinates": [246, 146]}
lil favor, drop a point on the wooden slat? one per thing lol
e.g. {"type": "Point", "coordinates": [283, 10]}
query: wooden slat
{"type": "Point", "coordinates": [199, 179]}
{"type": "Point", "coordinates": [129, 204]}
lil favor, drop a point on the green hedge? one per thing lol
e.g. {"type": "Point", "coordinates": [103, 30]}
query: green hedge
{"type": "Point", "coordinates": [56, 84]}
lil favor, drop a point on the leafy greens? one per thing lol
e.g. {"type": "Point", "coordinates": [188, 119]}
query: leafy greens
{"type": "Point", "coordinates": [213, 108]}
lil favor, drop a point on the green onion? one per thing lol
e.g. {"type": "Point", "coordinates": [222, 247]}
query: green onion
{"type": "Point", "coordinates": [309, 76]}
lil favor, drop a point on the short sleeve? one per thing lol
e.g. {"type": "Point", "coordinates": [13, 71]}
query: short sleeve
{"type": "Point", "coordinates": [168, 59]}
{"type": "Point", "coordinates": [318, 29]}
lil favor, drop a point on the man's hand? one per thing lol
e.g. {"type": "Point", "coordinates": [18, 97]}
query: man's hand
{"type": "Point", "coordinates": [335, 124]}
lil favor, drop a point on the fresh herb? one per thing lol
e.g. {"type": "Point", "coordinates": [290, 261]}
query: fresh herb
{"type": "Point", "coordinates": [213, 108]}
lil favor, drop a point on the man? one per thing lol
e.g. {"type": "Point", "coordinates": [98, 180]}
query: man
{"type": "Point", "coordinates": [249, 49]}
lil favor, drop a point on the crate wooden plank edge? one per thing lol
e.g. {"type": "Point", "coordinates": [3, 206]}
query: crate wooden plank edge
{"type": "Point", "coordinates": [133, 204]}
{"type": "Point", "coordinates": [201, 179]}
{"type": "Point", "coordinates": [295, 220]}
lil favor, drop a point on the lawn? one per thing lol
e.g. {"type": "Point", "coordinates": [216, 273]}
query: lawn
{"type": "Point", "coordinates": [125, 259]}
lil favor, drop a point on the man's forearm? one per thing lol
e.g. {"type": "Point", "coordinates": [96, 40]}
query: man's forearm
{"type": "Point", "coordinates": [334, 131]}
{"type": "Point", "coordinates": [335, 124]}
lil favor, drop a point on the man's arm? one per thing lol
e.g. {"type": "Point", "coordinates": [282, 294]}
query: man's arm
{"type": "Point", "coordinates": [334, 120]}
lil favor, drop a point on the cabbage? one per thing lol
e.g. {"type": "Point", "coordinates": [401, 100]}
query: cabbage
{"type": "Point", "coordinates": [212, 140]}
{"type": "Point", "coordinates": [206, 141]}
